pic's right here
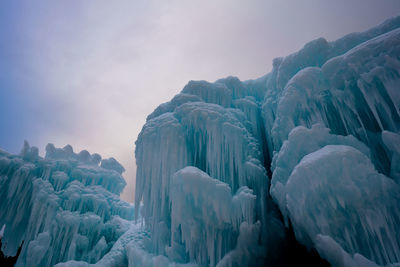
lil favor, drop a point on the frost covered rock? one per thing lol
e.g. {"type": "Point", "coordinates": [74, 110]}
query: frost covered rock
{"type": "Point", "coordinates": [64, 207]}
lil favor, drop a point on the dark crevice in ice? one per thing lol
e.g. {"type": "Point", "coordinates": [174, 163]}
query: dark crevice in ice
{"type": "Point", "coordinates": [11, 260]}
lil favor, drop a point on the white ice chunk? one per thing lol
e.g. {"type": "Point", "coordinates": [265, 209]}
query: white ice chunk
{"type": "Point", "coordinates": [204, 213]}
{"type": "Point", "coordinates": [337, 192]}
{"type": "Point", "coordinates": [300, 143]}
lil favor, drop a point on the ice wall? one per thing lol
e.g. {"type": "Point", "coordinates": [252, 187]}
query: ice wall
{"type": "Point", "coordinates": [344, 96]}
{"type": "Point", "coordinates": [204, 213]}
{"type": "Point", "coordinates": [354, 93]}
{"type": "Point", "coordinates": [337, 192]}
{"type": "Point", "coordinates": [211, 127]}
{"type": "Point", "coordinates": [328, 186]}
{"type": "Point", "coordinates": [62, 207]}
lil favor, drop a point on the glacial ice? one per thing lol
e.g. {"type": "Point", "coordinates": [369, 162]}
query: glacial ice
{"type": "Point", "coordinates": [228, 171]}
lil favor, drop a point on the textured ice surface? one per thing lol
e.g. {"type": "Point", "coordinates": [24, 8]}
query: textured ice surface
{"type": "Point", "coordinates": [392, 143]}
{"type": "Point", "coordinates": [63, 207]}
{"type": "Point", "coordinates": [315, 54]}
{"type": "Point", "coordinates": [355, 93]}
{"type": "Point", "coordinates": [223, 167]}
{"type": "Point", "coordinates": [344, 95]}
{"type": "Point", "coordinates": [301, 142]}
{"type": "Point", "coordinates": [337, 192]}
{"type": "Point", "coordinates": [204, 213]}
{"type": "Point", "coordinates": [196, 134]}
{"type": "Point", "coordinates": [121, 254]}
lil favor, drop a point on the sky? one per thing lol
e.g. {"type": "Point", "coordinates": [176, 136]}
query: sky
{"type": "Point", "coordinates": [87, 73]}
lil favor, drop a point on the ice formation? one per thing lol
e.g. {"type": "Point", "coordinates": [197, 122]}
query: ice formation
{"type": "Point", "coordinates": [198, 134]}
{"type": "Point", "coordinates": [318, 136]}
{"type": "Point", "coordinates": [301, 142]}
{"type": "Point", "coordinates": [204, 213]}
{"type": "Point", "coordinates": [336, 191]}
{"type": "Point", "coordinates": [233, 173]}
{"type": "Point", "coordinates": [332, 179]}
{"type": "Point", "coordinates": [61, 207]}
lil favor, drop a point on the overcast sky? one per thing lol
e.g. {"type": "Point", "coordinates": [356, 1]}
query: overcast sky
{"type": "Point", "coordinates": [87, 73]}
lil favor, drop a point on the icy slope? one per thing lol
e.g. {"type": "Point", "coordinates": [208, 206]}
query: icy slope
{"type": "Point", "coordinates": [63, 207]}
{"type": "Point", "coordinates": [241, 136]}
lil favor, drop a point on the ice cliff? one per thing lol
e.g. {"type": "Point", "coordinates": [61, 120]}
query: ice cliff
{"type": "Point", "coordinates": [298, 167]}
{"type": "Point", "coordinates": [312, 147]}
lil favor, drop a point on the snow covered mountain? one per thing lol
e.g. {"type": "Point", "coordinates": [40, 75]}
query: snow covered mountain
{"type": "Point", "coordinates": [301, 166]}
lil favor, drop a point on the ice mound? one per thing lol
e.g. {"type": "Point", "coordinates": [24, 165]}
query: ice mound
{"type": "Point", "coordinates": [301, 142]}
{"type": "Point", "coordinates": [336, 192]}
{"type": "Point", "coordinates": [61, 207]}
